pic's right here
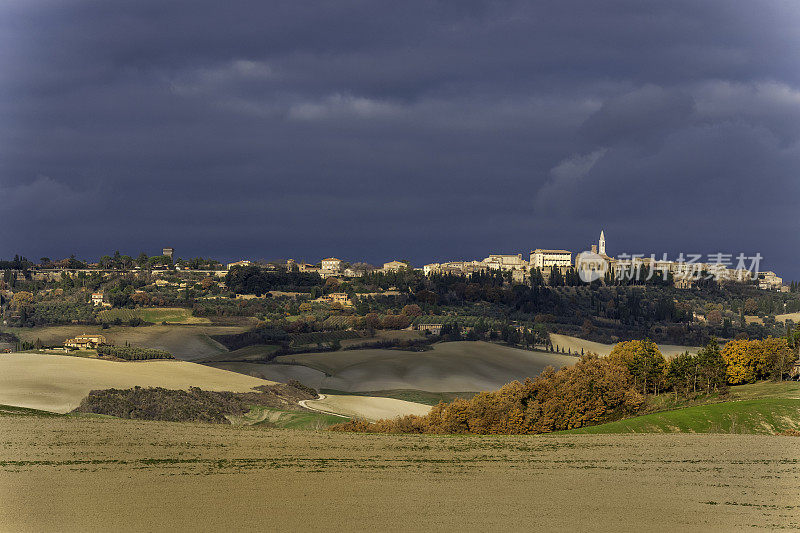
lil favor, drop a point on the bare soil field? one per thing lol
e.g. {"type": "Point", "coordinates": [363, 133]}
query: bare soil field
{"type": "Point", "coordinates": [281, 373]}
{"type": "Point", "coordinates": [184, 342]}
{"type": "Point", "coordinates": [449, 367]}
{"type": "Point", "coordinates": [576, 344]}
{"type": "Point", "coordinates": [248, 353]}
{"type": "Point", "coordinates": [367, 407]}
{"type": "Point", "coordinates": [89, 474]}
{"type": "Point", "coordinates": [794, 317]}
{"type": "Point", "coordinates": [58, 383]}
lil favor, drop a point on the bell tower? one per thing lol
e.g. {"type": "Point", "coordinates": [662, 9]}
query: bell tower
{"type": "Point", "coordinates": [602, 244]}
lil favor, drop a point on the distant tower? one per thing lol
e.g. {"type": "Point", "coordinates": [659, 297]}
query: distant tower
{"type": "Point", "coordinates": [602, 243]}
{"type": "Point", "coordinates": [168, 252]}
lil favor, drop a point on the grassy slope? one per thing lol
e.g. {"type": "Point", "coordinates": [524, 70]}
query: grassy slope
{"type": "Point", "coordinates": [260, 415]}
{"type": "Point", "coordinates": [767, 416]}
{"type": "Point", "coordinates": [298, 419]}
{"type": "Point", "coordinates": [760, 408]}
{"type": "Point", "coordinates": [13, 410]}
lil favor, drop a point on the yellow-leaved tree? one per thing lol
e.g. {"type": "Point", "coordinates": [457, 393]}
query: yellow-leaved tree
{"type": "Point", "coordinates": [644, 361]}
{"type": "Point", "coordinates": [746, 360]}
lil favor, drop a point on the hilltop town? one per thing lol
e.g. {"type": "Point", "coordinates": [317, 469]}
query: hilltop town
{"type": "Point", "coordinates": [505, 296]}
{"type": "Point", "coordinates": [682, 273]}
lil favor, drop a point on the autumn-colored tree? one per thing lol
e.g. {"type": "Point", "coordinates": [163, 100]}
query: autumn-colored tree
{"type": "Point", "coordinates": [395, 322]}
{"type": "Point", "coordinates": [141, 299]}
{"type": "Point", "coordinates": [779, 357]}
{"type": "Point", "coordinates": [428, 297]}
{"type": "Point", "coordinates": [644, 361]}
{"type": "Point", "coordinates": [411, 310]}
{"type": "Point", "coordinates": [372, 320]}
{"type": "Point", "coordinates": [592, 391]}
{"type": "Point", "coordinates": [331, 285]}
{"type": "Point", "coordinates": [746, 361]}
{"type": "Point", "coordinates": [22, 300]}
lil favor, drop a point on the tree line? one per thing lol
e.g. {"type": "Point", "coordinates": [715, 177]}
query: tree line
{"type": "Point", "coordinates": [132, 353]}
{"type": "Point", "coordinates": [596, 390]}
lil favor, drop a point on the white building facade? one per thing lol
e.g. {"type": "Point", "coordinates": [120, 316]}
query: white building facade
{"type": "Point", "coordinates": [546, 259]}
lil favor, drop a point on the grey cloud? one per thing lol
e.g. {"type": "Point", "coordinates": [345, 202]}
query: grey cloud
{"type": "Point", "coordinates": [435, 129]}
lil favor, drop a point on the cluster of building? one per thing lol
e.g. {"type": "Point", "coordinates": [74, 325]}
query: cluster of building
{"type": "Point", "coordinates": [589, 265]}
{"type": "Point", "coordinates": [333, 267]}
{"type": "Point", "coordinates": [596, 264]}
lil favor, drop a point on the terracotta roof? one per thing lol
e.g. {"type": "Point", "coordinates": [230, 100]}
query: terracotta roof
{"type": "Point", "coordinates": [541, 250]}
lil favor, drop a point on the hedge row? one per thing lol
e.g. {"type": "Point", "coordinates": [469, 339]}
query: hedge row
{"type": "Point", "coordinates": [133, 353]}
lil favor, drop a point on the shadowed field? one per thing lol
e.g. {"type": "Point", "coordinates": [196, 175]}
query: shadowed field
{"type": "Point", "coordinates": [450, 366]}
{"type": "Point", "coordinates": [79, 474]}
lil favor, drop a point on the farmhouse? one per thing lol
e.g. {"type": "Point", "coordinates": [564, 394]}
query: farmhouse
{"type": "Point", "coordinates": [433, 329]}
{"type": "Point", "coordinates": [339, 297]}
{"type": "Point", "coordinates": [83, 342]}
{"type": "Point", "coordinates": [97, 298]}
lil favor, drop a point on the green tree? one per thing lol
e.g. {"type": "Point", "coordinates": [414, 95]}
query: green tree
{"type": "Point", "coordinates": [556, 279]}
{"type": "Point", "coordinates": [644, 361]}
{"type": "Point", "coordinates": [711, 367]}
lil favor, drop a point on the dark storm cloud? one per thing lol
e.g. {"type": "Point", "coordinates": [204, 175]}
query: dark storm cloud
{"type": "Point", "coordinates": [423, 130]}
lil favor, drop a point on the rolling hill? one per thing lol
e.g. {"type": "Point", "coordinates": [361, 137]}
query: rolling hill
{"type": "Point", "coordinates": [448, 367]}
{"type": "Point", "coordinates": [58, 383]}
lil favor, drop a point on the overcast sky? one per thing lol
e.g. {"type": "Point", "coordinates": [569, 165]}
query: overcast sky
{"type": "Point", "coordinates": [417, 130]}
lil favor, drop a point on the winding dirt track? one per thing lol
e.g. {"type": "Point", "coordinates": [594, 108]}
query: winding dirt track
{"type": "Point", "coordinates": [366, 407]}
{"type": "Point", "coordinates": [311, 408]}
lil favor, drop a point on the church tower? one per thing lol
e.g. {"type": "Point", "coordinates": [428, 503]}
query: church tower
{"type": "Point", "coordinates": [602, 244]}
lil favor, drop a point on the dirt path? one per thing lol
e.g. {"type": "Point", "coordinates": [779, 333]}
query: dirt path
{"type": "Point", "coordinates": [317, 409]}
{"type": "Point", "coordinates": [366, 407]}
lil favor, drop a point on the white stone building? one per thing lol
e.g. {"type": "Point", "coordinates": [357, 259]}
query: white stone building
{"type": "Point", "coordinates": [394, 266]}
{"type": "Point", "coordinates": [546, 259]}
{"type": "Point", "coordinates": [330, 267]}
